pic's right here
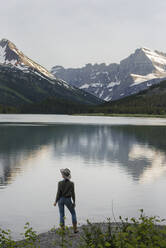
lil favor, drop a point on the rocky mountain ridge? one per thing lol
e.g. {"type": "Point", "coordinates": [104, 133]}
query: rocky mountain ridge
{"type": "Point", "coordinates": [11, 55]}
{"type": "Point", "coordinates": [137, 72]}
{"type": "Point", "coordinates": [24, 81]}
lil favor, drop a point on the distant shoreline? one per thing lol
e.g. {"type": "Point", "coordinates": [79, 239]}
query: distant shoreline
{"type": "Point", "coordinates": [94, 114]}
{"type": "Point", "coordinates": [121, 115]}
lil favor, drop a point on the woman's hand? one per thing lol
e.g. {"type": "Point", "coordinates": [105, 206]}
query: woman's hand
{"type": "Point", "coordinates": [54, 204]}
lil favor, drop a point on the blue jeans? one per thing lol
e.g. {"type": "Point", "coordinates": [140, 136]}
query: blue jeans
{"type": "Point", "coordinates": [66, 201]}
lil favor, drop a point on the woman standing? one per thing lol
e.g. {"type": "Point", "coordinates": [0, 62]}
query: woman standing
{"type": "Point", "coordinates": [64, 194]}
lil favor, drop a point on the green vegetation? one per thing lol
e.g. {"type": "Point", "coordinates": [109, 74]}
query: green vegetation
{"type": "Point", "coordinates": [8, 110]}
{"type": "Point", "coordinates": [148, 103]}
{"type": "Point", "coordinates": [12, 91]}
{"type": "Point", "coordinates": [133, 233]}
{"type": "Point", "coordinates": [122, 115]}
{"type": "Point", "coordinates": [62, 233]}
{"type": "Point", "coordinates": [144, 232]}
{"type": "Point", "coordinates": [18, 87]}
{"type": "Point", "coordinates": [29, 238]}
{"type": "Point", "coordinates": [54, 106]}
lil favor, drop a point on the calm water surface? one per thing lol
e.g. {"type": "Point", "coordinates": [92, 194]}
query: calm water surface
{"type": "Point", "coordinates": [116, 162]}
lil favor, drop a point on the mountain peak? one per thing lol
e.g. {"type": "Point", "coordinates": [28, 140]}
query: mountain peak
{"type": "Point", "coordinates": [157, 58]}
{"type": "Point", "coordinates": [145, 49]}
{"type": "Point", "coordinates": [5, 41]}
{"type": "Point", "coordinates": [11, 55]}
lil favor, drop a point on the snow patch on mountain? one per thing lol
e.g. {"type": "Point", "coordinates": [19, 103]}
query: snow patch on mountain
{"type": "Point", "coordinates": [155, 56]}
{"type": "Point", "coordinates": [96, 85]}
{"type": "Point", "coordinates": [112, 84]}
{"type": "Point", "coordinates": [138, 79]}
{"type": "Point", "coordinates": [11, 55]}
{"type": "Point", "coordinates": [137, 72]}
{"type": "Point", "coordinates": [2, 54]}
{"type": "Point", "coordinates": [85, 86]}
{"type": "Point", "coordinates": [101, 94]}
{"type": "Point", "coordinates": [108, 98]}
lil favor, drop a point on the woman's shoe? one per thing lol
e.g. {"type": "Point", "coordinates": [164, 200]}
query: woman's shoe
{"type": "Point", "coordinates": [75, 228]}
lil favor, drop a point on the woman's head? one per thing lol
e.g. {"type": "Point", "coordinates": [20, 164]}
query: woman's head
{"type": "Point", "coordinates": [66, 173]}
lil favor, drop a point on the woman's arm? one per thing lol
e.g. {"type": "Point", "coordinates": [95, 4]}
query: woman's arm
{"type": "Point", "coordinates": [73, 194]}
{"type": "Point", "coordinates": [57, 195]}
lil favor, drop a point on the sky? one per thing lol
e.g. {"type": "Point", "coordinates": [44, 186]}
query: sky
{"type": "Point", "coordinates": [73, 33]}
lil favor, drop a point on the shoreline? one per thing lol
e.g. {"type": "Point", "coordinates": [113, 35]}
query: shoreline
{"type": "Point", "coordinates": [121, 115]}
{"type": "Point", "coordinates": [94, 114]}
{"type": "Point", "coordinates": [53, 238]}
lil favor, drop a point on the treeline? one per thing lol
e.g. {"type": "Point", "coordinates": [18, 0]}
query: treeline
{"type": "Point", "coordinates": [151, 101]}
{"type": "Point", "coordinates": [8, 110]}
{"type": "Point", "coordinates": [54, 106]}
{"type": "Point", "coordinates": [137, 105]}
{"type": "Point", "coordinates": [153, 105]}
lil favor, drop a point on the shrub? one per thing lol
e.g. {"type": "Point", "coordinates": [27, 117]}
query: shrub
{"type": "Point", "coordinates": [134, 233]}
{"type": "Point", "coordinates": [143, 232]}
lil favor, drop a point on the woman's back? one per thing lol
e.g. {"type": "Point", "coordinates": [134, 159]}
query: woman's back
{"type": "Point", "coordinates": [66, 188]}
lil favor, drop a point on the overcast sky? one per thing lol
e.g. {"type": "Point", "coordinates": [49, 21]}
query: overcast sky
{"type": "Point", "coordinates": [76, 32]}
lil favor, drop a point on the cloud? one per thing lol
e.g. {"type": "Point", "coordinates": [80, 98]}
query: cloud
{"type": "Point", "coordinates": [72, 33]}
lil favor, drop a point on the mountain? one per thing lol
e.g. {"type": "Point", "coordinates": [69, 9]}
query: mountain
{"type": "Point", "coordinates": [137, 72]}
{"type": "Point", "coordinates": [10, 55]}
{"type": "Point", "coordinates": [150, 101]}
{"type": "Point", "coordinates": [23, 81]}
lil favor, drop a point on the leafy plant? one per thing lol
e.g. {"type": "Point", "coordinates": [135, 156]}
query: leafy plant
{"type": "Point", "coordinates": [141, 232]}
{"type": "Point", "coordinates": [129, 233]}
{"type": "Point", "coordinates": [5, 239]}
{"type": "Point", "coordinates": [30, 237]}
{"type": "Point", "coordinates": [62, 233]}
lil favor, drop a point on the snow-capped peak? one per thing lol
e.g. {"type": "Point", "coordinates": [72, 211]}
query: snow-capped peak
{"type": "Point", "coordinates": [158, 70]}
{"type": "Point", "coordinates": [10, 54]}
{"type": "Point", "coordinates": [158, 59]}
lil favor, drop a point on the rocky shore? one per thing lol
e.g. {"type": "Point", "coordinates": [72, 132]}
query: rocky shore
{"type": "Point", "coordinates": [53, 238]}
{"type": "Point", "coordinates": [67, 239]}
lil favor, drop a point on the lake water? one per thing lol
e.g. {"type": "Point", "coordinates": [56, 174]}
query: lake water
{"type": "Point", "coordinates": [118, 165]}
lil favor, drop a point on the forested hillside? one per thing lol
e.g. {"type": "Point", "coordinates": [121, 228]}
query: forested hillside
{"type": "Point", "coordinates": [151, 101]}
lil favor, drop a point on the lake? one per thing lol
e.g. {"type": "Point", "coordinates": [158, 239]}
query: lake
{"type": "Point", "coordinates": [118, 165]}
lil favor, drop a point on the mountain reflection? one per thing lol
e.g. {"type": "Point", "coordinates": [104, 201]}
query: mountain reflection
{"type": "Point", "coordinates": [140, 150]}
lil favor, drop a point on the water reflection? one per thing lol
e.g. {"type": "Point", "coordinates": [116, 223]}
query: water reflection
{"type": "Point", "coordinates": [156, 160]}
{"type": "Point", "coordinates": [139, 150]}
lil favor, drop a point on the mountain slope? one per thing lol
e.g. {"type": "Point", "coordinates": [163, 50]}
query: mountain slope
{"type": "Point", "coordinates": [140, 70]}
{"type": "Point", "coordinates": [150, 101]}
{"type": "Point", "coordinates": [24, 81]}
{"type": "Point", "coordinates": [17, 87]}
{"type": "Point", "coordinates": [11, 55]}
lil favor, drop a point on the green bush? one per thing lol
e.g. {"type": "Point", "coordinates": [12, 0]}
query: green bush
{"type": "Point", "coordinates": [143, 232]}
{"type": "Point", "coordinates": [29, 238]}
{"type": "Point", "coordinates": [5, 239]}
{"type": "Point", "coordinates": [128, 233]}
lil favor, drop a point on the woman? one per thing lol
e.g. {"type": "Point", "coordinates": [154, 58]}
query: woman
{"type": "Point", "coordinates": [64, 194]}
